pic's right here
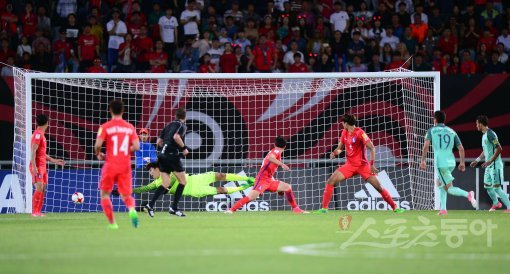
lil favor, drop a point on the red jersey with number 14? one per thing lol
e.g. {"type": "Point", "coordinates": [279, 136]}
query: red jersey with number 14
{"type": "Point", "coordinates": [118, 135]}
{"type": "Point", "coordinates": [38, 138]}
{"type": "Point", "coordinates": [268, 169]}
{"type": "Point", "coordinates": [355, 146]}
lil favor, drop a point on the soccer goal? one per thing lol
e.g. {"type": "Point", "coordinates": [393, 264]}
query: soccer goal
{"type": "Point", "coordinates": [232, 121]}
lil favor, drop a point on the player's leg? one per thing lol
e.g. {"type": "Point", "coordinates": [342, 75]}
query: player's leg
{"type": "Point", "coordinates": [488, 184]}
{"type": "Point", "coordinates": [445, 175]}
{"type": "Point", "coordinates": [498, 180]}
{"type": "Point", "coordinates": [443, 195]}
{"type": "Point", "coordinates": [106, 186]}
{"type": "Point", "coordinates": [289, 194]}
{"type": "Point", "coordinates": [125, 190]}
{"type": "Point", "coordinates": [230, 177]}
{"type": "Point", "coordinates": [165, 169]}
{"type": "Point", "coordinates": [384, 192]}
{"type": "Point", "coordinates": [181, 178]}
{"type": "Point", "coordinates": [341, 174]}
{"type": "Point", "coordinates": [254, 194]}
{"type": "Point", "coordinates": [37, 198]}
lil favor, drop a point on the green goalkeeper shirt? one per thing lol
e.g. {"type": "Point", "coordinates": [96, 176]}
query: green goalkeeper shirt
{"type": "Point", "coordinates": [156, 183]}
{"type": "Point", "coordinates": [489, 144]}
{"type": "Point", "coordinates": [443, 140]}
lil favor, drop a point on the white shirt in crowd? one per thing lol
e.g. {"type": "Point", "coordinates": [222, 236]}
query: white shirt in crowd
{"type": "Point", "coordinates": [24, 48]}
{"type": "Point", "coordinates": [288, 58]}
{"type": "Point", "coordinates": [392, 40]}
{"type": "Point", "coordinates": [503, 58]}
{"type": "Point", "coordinates": [114, 40]}
{"type": "Point", "coordinates": [409, 5]}
{"type": "Point", "coordinates": [339, 20]}
{"type": "Point", "coordinates": [505, 41]}
{"type": "Point", "coordinates": [167, 28]}
{"type": "Point", "coordinates": [424, 18]}
{"type": "Point", "coordinates": [215, 55]}
{"type": "Point", "coordinates": [191, 27]}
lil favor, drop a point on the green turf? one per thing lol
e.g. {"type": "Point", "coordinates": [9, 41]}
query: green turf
{"type": "Point", "coordinates": [270, 242]}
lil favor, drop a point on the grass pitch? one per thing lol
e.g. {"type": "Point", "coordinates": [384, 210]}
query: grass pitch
{"type": "Point", "coordinates": [257, 242]}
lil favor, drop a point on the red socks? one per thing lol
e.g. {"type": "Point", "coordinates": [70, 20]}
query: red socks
{"type": "Point", "coordinates": [106, 203]}
{"type": "Point", "coordinates": [326, 197]}
{"type": "Point", "coordinates": [290, 198]}
{"type": "Point", "coordinates": [129, 201]}
{"type": "Point", "coordinates": [240, 203]}
{"type": "Point", "coordinates": [387, 197]}
{"type": "Point", "coordinates": [37, 201]}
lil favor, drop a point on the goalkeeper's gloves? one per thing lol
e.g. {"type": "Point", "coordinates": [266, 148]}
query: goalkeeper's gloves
{"type": "Point", "coordinates": [115, 192]}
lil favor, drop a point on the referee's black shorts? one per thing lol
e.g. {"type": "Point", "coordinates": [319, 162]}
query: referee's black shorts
{"type": "Point", "coordinates": [170, 163]}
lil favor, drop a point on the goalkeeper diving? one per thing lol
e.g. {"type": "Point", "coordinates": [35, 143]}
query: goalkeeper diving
{"type": "Point", "coordinates": [198, 185]}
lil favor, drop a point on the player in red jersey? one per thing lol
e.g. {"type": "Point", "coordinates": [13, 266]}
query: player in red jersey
{"type": "Point", "coordinates": [265, 180]}
{"type": "Point", "coordinates": [355, 141]}
{"type": "Point", "coordinates": [38, 164]}
{"type": "Point", "coordinates": [121, 140]}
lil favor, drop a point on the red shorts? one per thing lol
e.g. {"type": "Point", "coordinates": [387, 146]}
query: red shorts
{"type": "Point", "coordinates": [349, 170]}
{"type": "Point", "coordinates": [269, 184]}
{"type": "Point", "coordinates": [41, 177]}
{"type": "Point", "coordinates": [109, 176]}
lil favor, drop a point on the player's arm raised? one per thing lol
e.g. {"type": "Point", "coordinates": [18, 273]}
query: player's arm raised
{"type": "Point", "coordinates": [424, 151]}
{"type": "Point", "coordinates": [273, 160]}
{"type": "Point", "coordinates": [337, 151]}
{"type": "Point", "coordinates": [371, 147]}
{"type": "Point", "coordinates": [478, 160]}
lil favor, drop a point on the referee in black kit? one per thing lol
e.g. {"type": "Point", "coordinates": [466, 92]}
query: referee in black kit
{"type": "Point", "coordinates": [171, 142]}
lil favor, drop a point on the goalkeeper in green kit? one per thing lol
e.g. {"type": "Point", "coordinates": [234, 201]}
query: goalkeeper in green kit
{"type": "Point", "coordinates": [198, 185]}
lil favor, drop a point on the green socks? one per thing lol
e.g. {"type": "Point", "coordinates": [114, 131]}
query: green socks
{"type": "Point", "coordinates": [503, 196]}
{"type": "Point", "coordinates": [455, 191]}
{"type": "Point", "coordinates": [493, 195]}
{"type": "Point", "coordinates": [442, 198]}
{"type": "Point", "coordinates": [234, 177]}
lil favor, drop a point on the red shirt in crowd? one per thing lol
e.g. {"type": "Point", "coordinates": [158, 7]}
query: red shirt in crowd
{"type": "Point", "coordinates": [468, 67]}
{"type": "Point", "coordinates": [29, 24]}
{"type": "Point", "coordinates": [134, 29]}
{"type": "Point", "coordinates": [228, 63]}
{"type": "Point", "coordinates": [10, 27]}
{"type": "Point", "coordinates": [298, 67]}
{"type": "Point", "coordinates": [96, 69]}
{"type": "Point", "coordinates": [158, 56]}
{"type": "Point", "coordinates": [395, 65]}
{"type": "Point", "coordinates": [205, 68]}
{"type": "Point", "coordinates": [490, 42]}
{"type": "Point", "coordinates": [88, 44]}
{"type": "Point", "coordinates": [447, 46]}
{"type": "Point", "coordinates": [264, 57]}
{"type": "Point", "coordinates": [62, 45]}
{"type": "Point", "coordinates": [143, 47]}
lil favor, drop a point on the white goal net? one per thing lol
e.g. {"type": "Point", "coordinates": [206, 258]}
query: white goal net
{"type": "Point", "coordinates": [232, 122]}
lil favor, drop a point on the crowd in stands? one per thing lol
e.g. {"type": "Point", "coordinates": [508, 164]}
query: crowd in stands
{"type": "Point", "coordinates": [229, 36]}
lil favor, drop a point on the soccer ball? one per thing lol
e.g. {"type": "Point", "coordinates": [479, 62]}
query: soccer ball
{"type": "Point", "coordinates": [78, 198]}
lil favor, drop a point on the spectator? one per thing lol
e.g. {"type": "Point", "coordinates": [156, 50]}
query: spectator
{"type": "Point", "coordinates": [307, 13]}
{"type": "Point", "coordinates": [324, 64]}
{"type": "Point", "coordinates": [127, 52]}
{"type": "Point", "coordinates": [97, 67]}
{"type": "Point", "coordinates": [24, 47]}
{"type": "Point", "coordinates": [242, 60]}
{"type": "Point", "coordinates": [189, 58]}
{"type": "Point", "coordinates": [315, 44]}
{"type": "Point", "coordinates": [420, 64]}
{"type": "Point", "coordinates": [88, 48]}
{"type": "Point", "coordinates": [364, 14]}
{"type": "Point", "coordinates": [288, 58]}
{"type": "Point", "coordinates": [242, 41]}
{"type": "Point", "coordinates": [312, 62]}
{"type": "Point", "coordinates": [199, 4]}
{"type": "Point", "coordinates": [376, 65]}
{"type": "Point", "coordinates": [383, 14]}
{"type": "Point", "coordinates": [438, 62]}
{"type": "Point", "coordinates": [250, 14]}
{"type": "Point", "coordinates": [251, 31]}
{"type": "Point", "coordinates": [469, 14]}
{"type": "Point", "coordinates": [356, 46]}
{"type": "Point", "coordinates": [404, 53]}
{"type": "Point", "coordinates": [251, 58]}
{"type": "Point", "coordinates": [40, 39]}
{"type": "Point", "coordinates": [155, 15]}
{"type": "Point", "coordinates": [489, 13]}
{"type": "Point", "coordinates": [158, 59]}
{"type": "Point", "coordinates": [419, 13]}
{"type": "Point", "coordinates": [223, 37]}
{"type": "Point", "coordinates": [64, 8]}
{"type": "Point", "coordinates": [396, 61]}
{"type": "Point", "coordinates": [502, 56]}
{"type": "Point", "coordinates": [231, 27]}
{"type": "Point", "coordinates": [6, 51]}
{"type": "Point", "coordinates": [169, 33]}
{"type": "Point", "coordinates": [454, 67]}
{"type": "Point", "coordinates": [204, 44]}
{"type": "Point", "coordinates": [448, 43]}
{"type": "Point", "coordinates": [359, 26]}
{"type": "Point", "coordinates": [215, 52]}
{"type": "Point", "coordinates": [7, 70]}
{"type": "Point", "coordinates": [376, 31]}
{"type": "Point", "coordinates": [264, 56]}
{"type": "Point", "coordinates": [268, 26]}
{"type": "Point", "coordinates": [207, 66]}
{"type": "Point", "coordinates": [96, 30]}
{"type": "Point", "coordinates": [43, 21]}
{"type": "Point", "coordinates": [228, 61]}
{"type": "Point", "coordinates": [134, 24]}
{"type": "Point", "coordinates": [284, 30]}
{"type": "Point", "coordinates": [494, 66]}
{"type": "Point", "coordinates": [339, 19]}
{"type": "Point", "coordinates": [212, 18]}
{"type": "Point", "coordinates": [488, 40]}
{"type": "Point", "coordinates": [357, 66]}
{"type": "Point", "coordinates": [235, 13]}
{"type": "Point", "coordinates": [403, 14]}
{"type": "Point", "coordinates": [471, 38]}
{"type": "Point", "coordinates": [467, 66]}
{"type": "Point", "coordinates": [371, 48]}
{"type": "Point", "coordinates": [407, 5]}
{"type": "Point", "coordinates": [387, 37]}
{"type": "Point", "coordinates": [41, 60]}
{"type": "Point", "coordinates": [143, 46]}
{"type": "Point", "coordinates": [386, 54]}
{"type": "Point", "coordinates": [504, 39]}
{"type": "Point", "coordinates": [398, 29]}
{"type": "Point", "coordinates": [298, 65]}
{"type": "Point", "coordinates": [117, 29]}
{"type": "Point", "coordinates": [9, 21]}
{"type": "Point", "coordinates": [62, 53]}
{"type": "Point", "coordinates": [436, 22]}
{"type": "Point", "coordinates": [418, 28]}
{"type": "Point", "coordinates": [410, 42]}
{"type": "Point", "coordinates": [28, 21]}
{"type": "Point", "coordinates": [296, 37]}
{"type": "Point", "coordinates": [190, 19]}
{"type": "Point", "coordinates": [72, 29]}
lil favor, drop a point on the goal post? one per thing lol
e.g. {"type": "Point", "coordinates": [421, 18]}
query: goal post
{"type": "Point", "coordinates": [232, 121]}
